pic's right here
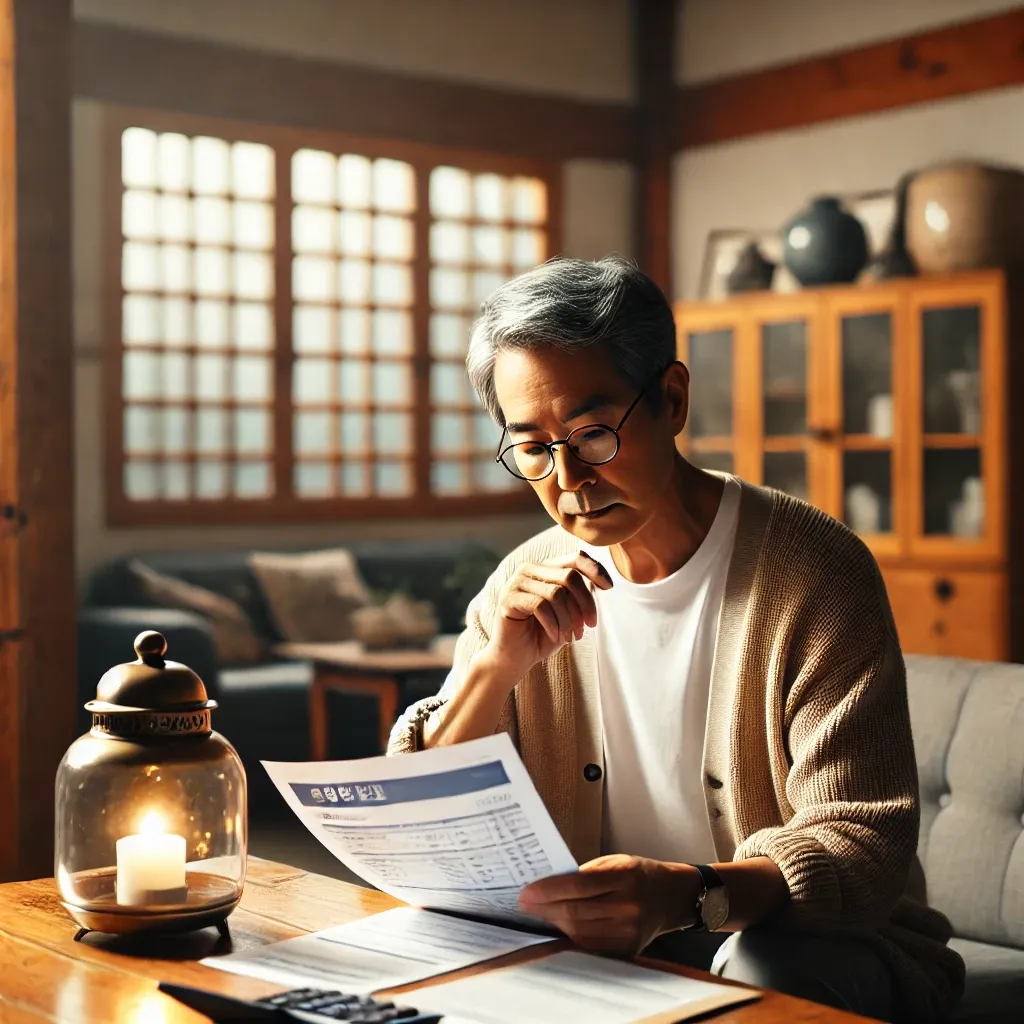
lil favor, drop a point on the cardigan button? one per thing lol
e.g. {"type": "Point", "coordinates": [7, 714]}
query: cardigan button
{"type": "Point", "coordinates": [714, 783]}
{"type": "Point", "coordinates": [716, 812]}
{"type": "Point", "coordinates": [592, 772]}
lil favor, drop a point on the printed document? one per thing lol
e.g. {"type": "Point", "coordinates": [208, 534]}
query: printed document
{"type": "Point", "coordinates": [457, 828]}
{"type": "Point", "coordinates": [552, 991]}
{"type": "Point", "coordinates": [386, 950]}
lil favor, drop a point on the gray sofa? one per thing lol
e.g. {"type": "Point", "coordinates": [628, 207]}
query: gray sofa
{"type": "Point", "coordinates": [968, 721]}
{"type": "Point", "coordinates": [264, 707]}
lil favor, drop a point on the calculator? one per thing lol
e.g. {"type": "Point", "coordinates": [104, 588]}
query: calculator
{"type": "Point", "coordinates": [311, 1005]}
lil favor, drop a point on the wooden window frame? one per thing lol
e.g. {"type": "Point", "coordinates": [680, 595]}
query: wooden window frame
{"type": "Point", "coordinates": [283, 506]}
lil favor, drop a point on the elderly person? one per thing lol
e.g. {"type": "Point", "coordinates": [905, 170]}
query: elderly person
{"type": "Point", "coordinates": [702, 676]}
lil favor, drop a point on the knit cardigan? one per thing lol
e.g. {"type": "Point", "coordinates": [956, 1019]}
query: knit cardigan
{"type": "Point", "coordinates": [808, 754]}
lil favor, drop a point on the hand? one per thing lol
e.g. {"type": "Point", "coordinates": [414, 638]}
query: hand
{"type": "Point", "coordinates": [617, 904]}
{"type": "Point", "coordinates": [543, 607]}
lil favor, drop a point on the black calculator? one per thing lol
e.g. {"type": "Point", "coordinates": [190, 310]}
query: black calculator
{"type": "Point", "coordinates": [312, 1005]}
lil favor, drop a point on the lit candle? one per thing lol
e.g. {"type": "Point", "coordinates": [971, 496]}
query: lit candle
{"type": "Point", "coordinates": [151, 866]}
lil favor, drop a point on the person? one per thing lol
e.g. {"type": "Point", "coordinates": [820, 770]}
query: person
{"type": "Point", "coordinates": [702, 676]}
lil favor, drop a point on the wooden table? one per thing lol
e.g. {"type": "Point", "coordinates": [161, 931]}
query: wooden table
{"type": "Point", "coordinates": [46, 976]}
{"type": "Point", "coordinates": [351, 669]}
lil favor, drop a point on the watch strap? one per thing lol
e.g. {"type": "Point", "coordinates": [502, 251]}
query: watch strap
{"type": "Point", "coordinates": [710, 879]}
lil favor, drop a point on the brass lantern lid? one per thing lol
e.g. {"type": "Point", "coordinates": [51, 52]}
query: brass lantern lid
{"type": "Point", "coordinates": [151, 684]}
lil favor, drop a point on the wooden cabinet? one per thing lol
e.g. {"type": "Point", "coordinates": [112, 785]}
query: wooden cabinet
{"type": "Point", "coordinates": [886, 406]}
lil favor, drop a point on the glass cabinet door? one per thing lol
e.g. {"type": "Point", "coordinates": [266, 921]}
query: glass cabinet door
{"type": "Point", "coordinates": [959, 473]}
{"type": "Point", "coordinates": [710, 354]}
{"type": "Point", "coordinates": [864, 449]}
{"type": "Point", "coordinates": [785, 387]}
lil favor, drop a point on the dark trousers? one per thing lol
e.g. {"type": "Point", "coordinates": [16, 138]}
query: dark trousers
{"type": "Point", "coordinates": [843, 973]}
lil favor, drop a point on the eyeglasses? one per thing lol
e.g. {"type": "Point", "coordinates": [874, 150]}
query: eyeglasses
{"type": "Point", "coordinates": [594, 444]}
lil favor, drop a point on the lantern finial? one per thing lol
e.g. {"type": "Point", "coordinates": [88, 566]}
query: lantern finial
{"type": "Point", "coordinates": [150, 645]}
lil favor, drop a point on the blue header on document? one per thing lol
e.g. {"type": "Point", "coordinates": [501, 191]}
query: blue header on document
{"type": "Point", "coordinates": [402, 791]}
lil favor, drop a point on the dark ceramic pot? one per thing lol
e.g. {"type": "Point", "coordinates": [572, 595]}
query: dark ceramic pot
{"type": "Point", "coordinates": [825, 244]}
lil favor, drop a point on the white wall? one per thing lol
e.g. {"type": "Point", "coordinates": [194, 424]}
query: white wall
{"type": "Point", "coordinates": [572, 48]}
{"type": "Point", "coordinates": [760, 182]}
{"type": "Point", "coordinates": [716, 38]}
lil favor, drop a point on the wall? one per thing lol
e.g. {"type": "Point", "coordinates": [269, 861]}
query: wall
{"type": "Point", "coordinates": [760, 182]}
{"type": "Point", "coordinates": [577, 48]}
{"type": "Point", "coordinates": [573, 48]}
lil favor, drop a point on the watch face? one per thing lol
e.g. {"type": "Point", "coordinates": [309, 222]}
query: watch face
{"type": "Point", "coordinates": [715, 908]}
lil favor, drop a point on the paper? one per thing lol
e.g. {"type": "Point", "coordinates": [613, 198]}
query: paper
{"type": "Point", "coordinates": [393, 948]}
{"type": "Point", "coordinates": [552, 991]}
{"type": "Point", "coordinates": [458, 828]}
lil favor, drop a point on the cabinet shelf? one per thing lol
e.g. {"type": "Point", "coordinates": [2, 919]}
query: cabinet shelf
{"type": "Point", "coordinates": [866, 443]}
{"type": "Point", "coordinates": [953, 441]}
{"type": "Point", "coordinates": [786, 443]}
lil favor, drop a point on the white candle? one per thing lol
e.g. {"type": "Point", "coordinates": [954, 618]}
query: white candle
{"type": "Point", "coordinates": [151, 867]}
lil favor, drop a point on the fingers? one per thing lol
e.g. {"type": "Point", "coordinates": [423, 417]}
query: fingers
{"type": "Point", "coordinates": [566, 579]}
{"type": "Point", "coordinates": [561, 601]}
{"type": "Point", "coordinates": [602, 925]}
{"type": "Point", "coordinates": [558, 595]}
{"type": "Point", "coordinates": [519, 604]}
{"type": "Point", "coordinates": [579, 885]}
{"type": "Point", "coordinates": [592, 569]}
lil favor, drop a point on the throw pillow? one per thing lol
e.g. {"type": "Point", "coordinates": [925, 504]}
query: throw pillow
{"type": "Point", "coordinates": [311, 596]}
{"type": "Point", "coordinates": [236, 641]}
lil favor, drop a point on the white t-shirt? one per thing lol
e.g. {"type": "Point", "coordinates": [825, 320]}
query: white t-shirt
{"type": "Point", "coordinates": [655, 646]}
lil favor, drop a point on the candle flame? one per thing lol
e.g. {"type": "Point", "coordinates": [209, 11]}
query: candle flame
{"type": "Point", "coordinates": [152, 825]}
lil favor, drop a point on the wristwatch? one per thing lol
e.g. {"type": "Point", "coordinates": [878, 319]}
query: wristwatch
{"type": "Point", "coordinates": [712, 908]}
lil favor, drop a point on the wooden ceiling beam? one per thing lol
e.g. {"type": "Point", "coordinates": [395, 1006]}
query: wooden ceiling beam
{"type": "Point", "coordinates": [956, 60]}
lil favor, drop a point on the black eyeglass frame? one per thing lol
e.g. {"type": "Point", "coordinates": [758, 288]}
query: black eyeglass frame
{"type": "Point", "coordinates": [552, 445]}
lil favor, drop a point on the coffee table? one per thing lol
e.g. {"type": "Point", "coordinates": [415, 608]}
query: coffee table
{"type": "Point", "coordinates": [46, 976]}
{"type": "Point", "coordinates": [349, 668]}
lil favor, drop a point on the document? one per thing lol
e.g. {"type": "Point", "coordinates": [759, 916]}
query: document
{"type": "Point", "coordinates": [457, 828]}
{"type": "Point", "coordinates": [393, 948]}
{"type": "Point", "coordinates": [554, 989]}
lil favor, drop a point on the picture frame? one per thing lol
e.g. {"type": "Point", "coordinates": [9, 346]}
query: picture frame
{"type": "Point", "coordinates": [723, 248]}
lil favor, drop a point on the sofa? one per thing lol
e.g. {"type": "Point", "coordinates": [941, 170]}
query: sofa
{"type": "Point", "coordinates": [968, 721]}
{"type": "Point", "coordinates": [263, 707]}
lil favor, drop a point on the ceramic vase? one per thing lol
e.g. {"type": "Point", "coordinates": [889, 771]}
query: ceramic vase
{"type": "Point", "coordinates": [752, 273]}
{"type": "Point", "coordinates": [825, 244]}
{"type": "Point", "coordinates": [965, 216]}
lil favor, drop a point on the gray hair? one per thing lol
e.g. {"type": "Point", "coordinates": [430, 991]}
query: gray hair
{"type": "Point", "coordinates": [573, 305]}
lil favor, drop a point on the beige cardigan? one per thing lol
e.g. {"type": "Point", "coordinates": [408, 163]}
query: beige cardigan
{"type": "Point", "coordinates": [808, 756]}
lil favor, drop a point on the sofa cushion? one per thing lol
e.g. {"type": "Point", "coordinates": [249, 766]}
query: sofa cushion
{"type": "Point", "coordinates": [311, 596]}
{"type": "Point", "coordinates": [995, 983]}
{"type": "Point", "coordinates": [968, 722]}
{"type": "Point", "coordinates": [223, 571]}
{"type": "Point", "coordinates": [233, 634]}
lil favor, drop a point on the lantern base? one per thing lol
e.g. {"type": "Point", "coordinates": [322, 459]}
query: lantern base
{"type": "Point", "coordinates": [211, 898]}
{"type": "Point", "coordinates": [221, 925]}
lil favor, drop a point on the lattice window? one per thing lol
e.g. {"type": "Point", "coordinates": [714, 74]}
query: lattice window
{"type": "Point", "coordinates": [292, 315]}
{"type": "Point", "coordinates": [485, 228]}
{"type": "Point", "coordinates": [197, 275]}
{"type": "Point", "coordinates": [352, 288]}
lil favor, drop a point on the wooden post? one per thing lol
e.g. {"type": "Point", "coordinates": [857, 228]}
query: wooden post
{"type": "Point", "coordinates": [653, 46]}
{"type": "Point", "coordinates": [37, 582]}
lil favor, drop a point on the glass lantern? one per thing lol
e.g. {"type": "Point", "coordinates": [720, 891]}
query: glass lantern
{"type": "Point", "coordinates": [151, 824]}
